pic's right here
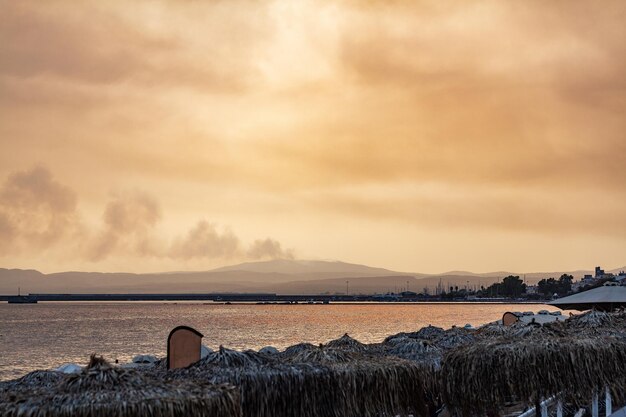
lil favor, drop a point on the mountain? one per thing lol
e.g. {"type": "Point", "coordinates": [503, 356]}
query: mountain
{"type": "Point", "coordinates": [304, 267]}
{"type": "Point", "coordinates": [277, 276]}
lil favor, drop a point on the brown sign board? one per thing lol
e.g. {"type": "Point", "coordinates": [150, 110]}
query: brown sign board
{"type": "Point", "coordinates": [183, 347]}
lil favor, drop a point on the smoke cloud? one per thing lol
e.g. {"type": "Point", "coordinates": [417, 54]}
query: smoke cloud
{"type": "Point", "coordinates": [205, 241]}
{"type": "Point", "coordinates": [269, 248]}
{"type": "Point", "coordinates": [128, 221]}
{"type": "Point", "coordinates": [36, 211]}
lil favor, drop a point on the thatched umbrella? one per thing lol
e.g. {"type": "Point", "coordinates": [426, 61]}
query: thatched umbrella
{"type": "Point", "coordinates": [35, 379]}
{"type": "Point", "coordinates": [455, 337]}
{"type": "Point", "coordinates": [103, 390]}
{"type": "Point", "coordinates": [491, 372]}
{"type": "Point", "coordinates": [230, 358]}
{"type": "Point", "coordinates": [346, 342]}
{"type": "Point", "coordinates": [294, 349]}
{"type": "Point", "coordinates": [269, 350]}
{"type": "Point", "coordinates": [491, 330]}
{"type": "Point", "coordinates": [429, 332]}
{"type": "Point", "coordinates": [324, 355]}
{"type": "Point", "coordinates": [314, 381]}
{"type": "Point", "coordinates": [413, 349]}
{"type": "Point", "coordinates": [425, 333]}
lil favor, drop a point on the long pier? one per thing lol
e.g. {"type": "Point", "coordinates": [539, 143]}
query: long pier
{"type": "Point", "coordinates": [216, 297]}
{"type": "Point", "coordinates": [243, 297]}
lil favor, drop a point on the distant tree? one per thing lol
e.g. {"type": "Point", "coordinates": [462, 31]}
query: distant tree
{"type": "Point", "coordinates": [565, 283]}
{"type": "Point", "coordinates": [547, 286]}
{"type": "Point", "coordinates": [511, 286]}
{"type": "Point", "coordinates": [551, 286]}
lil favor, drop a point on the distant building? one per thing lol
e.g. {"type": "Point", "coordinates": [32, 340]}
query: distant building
{"type": "Point", "coordinates": [585, 281]}
{"type": "Point", "coordinates": [589, 280]}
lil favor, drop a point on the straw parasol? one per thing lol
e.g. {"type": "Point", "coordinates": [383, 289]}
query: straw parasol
{"type": "Point", "coordinates": [35, 379]}
{"type": "Point", "coordinates": [455, 337]}
{"type": "Point", "coordinates": [491, 372]}
{"type": "Point", "coordinates": [314, 381]}
{"type": "Point", "coordinates": [224, 357]}
{"type": "Point", "coordinates": [323, 355]}
{"type": "Point", "coordinates": [346, 342]}
{"type": "Point", "coordinates": [103, 390]}
{"type": "Point", "coordinates": [425, 333]}
{"type": "Point", "coordinates": [294, 349]}
{"type": "Point", "coordinates": [269, 350]}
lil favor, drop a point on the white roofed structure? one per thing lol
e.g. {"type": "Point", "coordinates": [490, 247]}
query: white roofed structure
{"type": "Point", "coordinates": [602, 298]}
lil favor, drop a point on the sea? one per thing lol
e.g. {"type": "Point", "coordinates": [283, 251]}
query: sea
{"type": "Point", "coordinates": [49, 334]}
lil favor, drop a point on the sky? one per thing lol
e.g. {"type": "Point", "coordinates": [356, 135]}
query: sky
{"type": "Point", "coordinates": [421, 136]}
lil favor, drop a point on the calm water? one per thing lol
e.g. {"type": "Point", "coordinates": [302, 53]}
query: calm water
{"type": "Point", "coordinates": [46, 335]}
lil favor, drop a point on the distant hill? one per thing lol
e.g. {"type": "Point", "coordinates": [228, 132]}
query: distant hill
{"type": "Point", "coordinates": [277, 276]}
{"type": "Point", "coordinates": [288, 266]}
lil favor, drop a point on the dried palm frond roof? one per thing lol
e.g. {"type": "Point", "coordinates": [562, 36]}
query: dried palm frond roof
{"type": "Point", "coordinates": [346, 342]}
{"type": "Point", "coordinates": [427, 333]}
{"type": "Point", "coordinates": [592, 318]}
{"type": "Point", "coordinates": [521, 329]}
{"type": "Point", "coordinates": [364, 386]}
{"type": "Point", "coordinates": [224, 357]}
{"type": "Point", "coordinates": [294, 349]}
{"type": "Point", "coordinates": [269, 350]}
{"type": "Point", "coordinates": [455, 337]}
{"type": "Point", "coordinates": [323, 355]}
{"type": "Point", "coordinates": [490, 372]}
{"type": "Point", "coordinates": [103, 390]}
{"type": "Point", "coordinates": [494, 329]}
{"type": "Point", "coordinates": [35, 379]}
{"type": "Point", "coordinates": [413, 349]}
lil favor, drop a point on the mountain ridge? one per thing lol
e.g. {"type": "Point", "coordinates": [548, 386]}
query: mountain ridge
{"type": "Point", "coordinates": [279, 276]}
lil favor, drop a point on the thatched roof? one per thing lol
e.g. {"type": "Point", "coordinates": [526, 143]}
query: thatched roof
{"type": "Point", "coordinates": [227, 358]}
{"type": "Point", "coordinates": [346, 342]}
{"type": "Point", "coordinates": [455, 337]}
{"type": "Point", "coordinates": [35, 379]}
{"type": "Point", "coordinates": [269, 350]}
{"type": "Point", "coordinates": [324, 355]}
{"type": "Point", "coordinates": [413, 349]}
{"type": "Point", "coordinates": [490, 372]}
{"type": "Point", "coordinates": [103, 390]}
{"type": "Point", "coordinates": [492, 330]}
{"type": "Point", "coordinates": [425, 333]}
{"type": "Point", "coordinates": [294, 349]}
{"type": "Point", "coordinates": [316, 382]}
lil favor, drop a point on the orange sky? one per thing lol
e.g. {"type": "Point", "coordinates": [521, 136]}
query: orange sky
{"type": "Point", "coordinates": [418, 136]}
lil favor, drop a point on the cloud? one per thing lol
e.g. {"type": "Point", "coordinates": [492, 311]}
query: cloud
{"type": "Point", "coordinates": [103, 44]}
{"type": "Point", "coordinates": [129, 220]}
{"type": "Point", "coordinates": [205, 241]}
{"type": "Point", "coordinates": [204, 102]}
{"type": "Point", "coordinates": [36, 211]}
{"type": "Point", "coordinates": [268, 248]}
{"type": "Point", "coordinates": [130, 223]}
{"type": "Point", "coordinates": [7, 233]}
{"type": "Point", "coordinates": [438, 207]}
